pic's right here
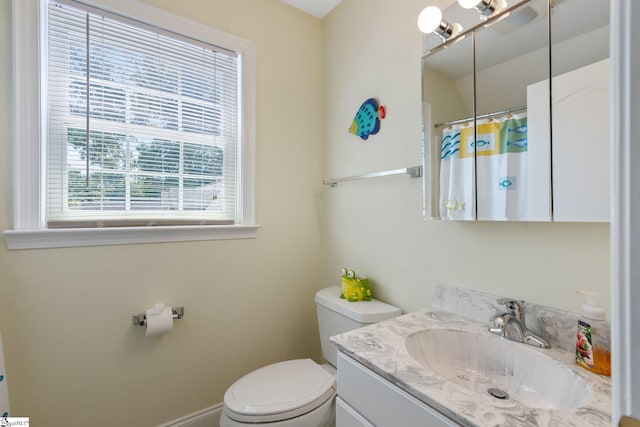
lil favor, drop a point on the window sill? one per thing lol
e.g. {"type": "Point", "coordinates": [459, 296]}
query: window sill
{"type": "Point", "coordinates": [73, 237]}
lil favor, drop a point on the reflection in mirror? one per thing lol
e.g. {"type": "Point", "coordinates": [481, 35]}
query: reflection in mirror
{"type": "Point", "coordinates": [567, 136]}
{"type": "Point", "coordinates": [579, 34]}
{"type": "Point", "coordinates": [449, 172]}
{"type": "Point", "coordinates": [510, 55]}
{"type": "Point", "coordinates": [511, 160]}
{"type": "Point", "coordinates": [580, 109]}
{"type": "Point", "coordinates": [512, 148]}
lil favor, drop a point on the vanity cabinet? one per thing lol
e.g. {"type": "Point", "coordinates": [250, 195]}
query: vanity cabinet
{"type": "Point", "coordinates": [367, 399]}
{"type": "Point", "coordinates": [346, 416]}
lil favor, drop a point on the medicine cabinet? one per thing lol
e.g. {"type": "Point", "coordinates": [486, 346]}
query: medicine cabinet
{"type": "Point", "coordinates": [515, 114]}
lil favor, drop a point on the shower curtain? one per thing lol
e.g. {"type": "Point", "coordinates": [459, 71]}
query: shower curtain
{"type": "Point", "coordinates": [501, 160]}
{"type": "Point", "coordinates": [502, 168]}
{"type": "Point", "coordinates": [4, 394]}
{"type": "Point", "coordinates": [456, 173]}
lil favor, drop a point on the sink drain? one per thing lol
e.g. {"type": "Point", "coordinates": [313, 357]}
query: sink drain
{"type": "Point", "coordinates": [497, 393]}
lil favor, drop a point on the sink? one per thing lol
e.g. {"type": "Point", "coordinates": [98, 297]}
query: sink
{"type": "Point", "coordinates": [484, 362]}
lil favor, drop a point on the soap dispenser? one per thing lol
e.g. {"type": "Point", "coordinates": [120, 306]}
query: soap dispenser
{"type": "Point", "coordinates": [593, 349]}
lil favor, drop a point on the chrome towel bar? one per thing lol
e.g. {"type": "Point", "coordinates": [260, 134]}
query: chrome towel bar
{"type": "Point", "coordinates": [413, 172]}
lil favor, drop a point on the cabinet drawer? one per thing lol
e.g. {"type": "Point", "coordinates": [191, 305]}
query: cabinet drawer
{"type": "Point", "coordinates": [380, 402]}
{"type": "Point", "coordinates": [346, 416]}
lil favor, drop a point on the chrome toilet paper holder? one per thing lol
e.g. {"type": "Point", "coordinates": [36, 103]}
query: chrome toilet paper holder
{"type": "Point", "coordinates": [140, 319]}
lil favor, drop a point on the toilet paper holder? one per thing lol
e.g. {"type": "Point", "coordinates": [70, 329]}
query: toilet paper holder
{"type": "Point", "coordinates": [140, 319]}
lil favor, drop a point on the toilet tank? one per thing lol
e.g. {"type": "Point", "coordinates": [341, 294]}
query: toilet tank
{"type": "Point", "coordinates": [337, 315]}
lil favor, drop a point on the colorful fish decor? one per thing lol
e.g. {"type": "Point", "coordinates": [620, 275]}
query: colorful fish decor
{"type": "Point", "coordinates": [367, 119]}
{"type": "Point", "coordinates": [354, 287]}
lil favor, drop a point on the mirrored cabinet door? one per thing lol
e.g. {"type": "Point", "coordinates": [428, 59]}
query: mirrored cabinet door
{"type": "Point", "coordinates": [580, 110]}
{"type": "Point", "coordinates": [513, 144]}
{"type": "Point", "coordinates": [447, 106]}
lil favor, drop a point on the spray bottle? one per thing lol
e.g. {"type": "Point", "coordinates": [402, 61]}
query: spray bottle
{"type": "Point", "coordinates": [593, 348]}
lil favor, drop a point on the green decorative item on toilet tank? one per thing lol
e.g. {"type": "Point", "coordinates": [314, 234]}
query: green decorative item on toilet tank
{"type": "Point", "coordinates": [354, 287]}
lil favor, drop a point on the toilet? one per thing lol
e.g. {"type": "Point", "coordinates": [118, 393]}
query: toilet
{"type": "Point", "coordinates": [301, 393]}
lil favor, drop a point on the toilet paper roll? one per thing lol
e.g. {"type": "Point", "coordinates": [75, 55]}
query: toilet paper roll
{"type": "Point", "coordinates": [159, 320]}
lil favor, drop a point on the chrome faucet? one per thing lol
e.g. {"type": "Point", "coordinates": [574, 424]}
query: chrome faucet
{"type": "Point", "coordinates": [511, 325]}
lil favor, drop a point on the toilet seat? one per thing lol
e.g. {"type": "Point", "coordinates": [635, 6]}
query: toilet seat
{"type": "Point", "coordinates": [278, 392]}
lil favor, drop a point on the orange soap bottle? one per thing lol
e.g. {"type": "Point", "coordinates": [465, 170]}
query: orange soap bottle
{"type": "Point", "coordinates": [593, 348]}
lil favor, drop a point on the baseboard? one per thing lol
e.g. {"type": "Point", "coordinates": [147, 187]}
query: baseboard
{"type": "Point", "coordinates": [208, 417]}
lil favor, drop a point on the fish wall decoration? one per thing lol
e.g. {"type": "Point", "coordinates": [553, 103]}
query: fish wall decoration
{"type": "Point", "coordinates": [367, 119]}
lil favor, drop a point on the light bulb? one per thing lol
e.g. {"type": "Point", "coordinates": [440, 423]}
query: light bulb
{"type": "Point", "coordinates": [468, 4]}
{"type": "Point", "coordinates": [429, 19]}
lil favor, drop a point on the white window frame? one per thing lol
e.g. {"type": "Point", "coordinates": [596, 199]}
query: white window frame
{"type": "Point", "coordinates": [29, 229]}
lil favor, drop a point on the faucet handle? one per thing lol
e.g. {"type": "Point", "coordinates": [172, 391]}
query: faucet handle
{"type": "Point", "coordinates": [514, 307]}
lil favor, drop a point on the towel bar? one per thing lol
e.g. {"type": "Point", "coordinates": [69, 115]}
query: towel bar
{"type": "Point", "coordinates": [413, 172]}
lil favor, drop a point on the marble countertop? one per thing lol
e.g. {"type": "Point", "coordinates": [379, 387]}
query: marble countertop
{"type": "Point", "coordinates": [381, 347]}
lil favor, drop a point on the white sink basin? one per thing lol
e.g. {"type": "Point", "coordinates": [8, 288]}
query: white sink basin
{"type": "Point", "coordinates": [479, 362]}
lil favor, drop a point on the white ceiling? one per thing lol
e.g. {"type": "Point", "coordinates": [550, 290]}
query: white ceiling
{"type": "Point", "coordinates": [317, 8]}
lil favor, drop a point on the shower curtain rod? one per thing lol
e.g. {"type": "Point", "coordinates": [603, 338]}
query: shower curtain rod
{"type": "Point", "coordinates": [482, 116]}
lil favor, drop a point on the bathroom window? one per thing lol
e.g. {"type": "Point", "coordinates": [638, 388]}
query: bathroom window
{"type": "Point", "coordinates": [144, 128]}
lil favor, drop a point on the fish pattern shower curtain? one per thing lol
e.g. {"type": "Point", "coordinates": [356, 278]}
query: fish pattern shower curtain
{"type": "Point", "coordinates": [494, 166]}
{"type": "Point", "coordinates": [457, 180]}
{"type": "Point", "coordinates": [502, 168]}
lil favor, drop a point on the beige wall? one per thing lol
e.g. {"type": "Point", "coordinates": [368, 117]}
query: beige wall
{"type": "Point", "coordinates": [74, 359]}
{"type": "Point", "coordinates": [372, 49]}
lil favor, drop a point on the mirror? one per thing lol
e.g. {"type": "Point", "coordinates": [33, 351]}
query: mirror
{"type": "Point", "coordinates": [445, 98]}
{"type": "Point", "coordinates": [580, 110]}
{"type": "Point", "coordinates": [512, 142]}
{"type": "Point", "coordinates": [506, 89]}
{"type": "Point", "coordinates": [494, 175]}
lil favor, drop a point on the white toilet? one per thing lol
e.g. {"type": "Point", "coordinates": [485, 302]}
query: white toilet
{"type": "Point", "coordinates": [301, 393]}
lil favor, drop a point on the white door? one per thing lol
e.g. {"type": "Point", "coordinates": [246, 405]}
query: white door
{"type": "Point", "coordinates": [625, 224]}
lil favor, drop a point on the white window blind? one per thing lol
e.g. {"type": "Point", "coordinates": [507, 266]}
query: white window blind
{"type": "Point", "coordinates": [143, 124]}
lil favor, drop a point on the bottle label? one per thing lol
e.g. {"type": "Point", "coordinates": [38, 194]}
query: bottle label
{"type": "Point", "coordinates": [584, 345]}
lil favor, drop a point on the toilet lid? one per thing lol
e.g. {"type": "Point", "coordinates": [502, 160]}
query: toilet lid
{"type": "Point", "coordinates": [279, 391]}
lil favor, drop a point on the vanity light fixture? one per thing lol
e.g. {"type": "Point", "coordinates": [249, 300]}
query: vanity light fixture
{"type": "Point", "coordinates": [486, 8]}
{"type": "Point", "coordinates": [430, 21]}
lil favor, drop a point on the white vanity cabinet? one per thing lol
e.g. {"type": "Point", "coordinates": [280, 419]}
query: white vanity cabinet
{"type": "Point", "coordinates": [366, 399]}
{"type": "Point", "coordinates": [346, 416]}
